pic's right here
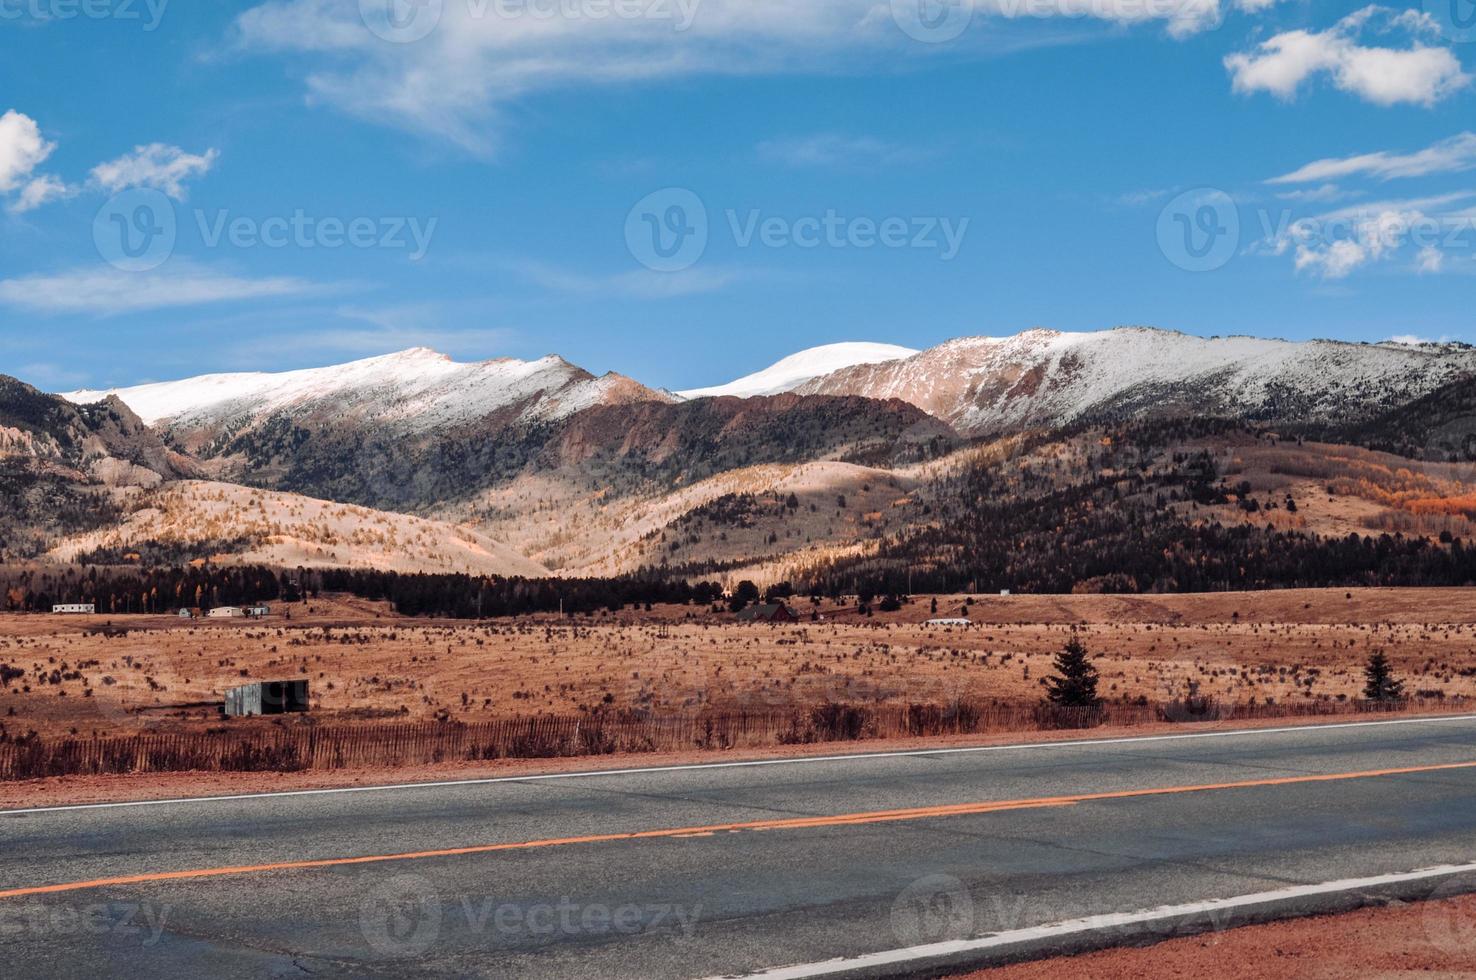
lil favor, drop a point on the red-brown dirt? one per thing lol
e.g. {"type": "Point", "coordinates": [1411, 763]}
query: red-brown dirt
{"type": "Point", "coordinates": [1435, 939]}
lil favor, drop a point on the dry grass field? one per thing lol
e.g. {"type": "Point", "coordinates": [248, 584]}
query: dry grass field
{"type": "Point", "coordinates": [99, 675]}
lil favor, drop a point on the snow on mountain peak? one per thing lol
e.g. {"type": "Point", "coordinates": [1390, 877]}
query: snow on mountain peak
{"type": "Point", "coordinates": [796, 369]}
{"type": "Point", "coordinates": [420, 387]}
{"type": "Point", "coordinates": [1043, 378]}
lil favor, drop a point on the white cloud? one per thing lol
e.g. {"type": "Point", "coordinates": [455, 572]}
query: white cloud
{"type": "Point", "coordinates": [1430, 260]}
{"type": "Point", "coordinates": [1454, 155]}
{"type": "Point", "coordinates": [1333, 261]}
{"type": "Point", "coordinates": [1138, 198]}
{"type": "Point", "coordinates": [1181, 18]}
{"type": "Point", "coordinates": [38, 191]}
{"type": "Point", "coordinates": [458, 77]}
{"type": "Point", "coordinates": [1315, 195]}
{"type": "Point", "coordinates": [1443, 204]}
{"type": "Point", "coordinates": [1417, 74]}
{"type": "Point", "coordinates": [1412, 340]}
{"type": "Point", "coordinates": [157, 165]}
{"type": "Point", "coordinates": [830, 150]}
{"type": "Point", "coordinates": [639, 282]}
{"type": "Point", "coordinates": [22, 150]}
{"type": "Point", "coordinates": [1336, 244]}
{"type": "Point", "coordinates": [107, 291]}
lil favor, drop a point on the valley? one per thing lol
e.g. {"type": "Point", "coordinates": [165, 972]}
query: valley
{"type": "Point", "coordinates": [365, 663]}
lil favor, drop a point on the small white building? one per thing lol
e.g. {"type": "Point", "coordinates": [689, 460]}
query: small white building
{"type": "Point", "coordinates": [75, 609]}
{"type": "Point", "coordinates": [186, 614]}
{"type": "Point", "coordinates": [258, 612]}
{"type": "Point", "coordinates": [226, 612]}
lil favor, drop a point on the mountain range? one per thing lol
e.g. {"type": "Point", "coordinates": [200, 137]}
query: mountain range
{"type": "Point", "coordinates": [527, 466]}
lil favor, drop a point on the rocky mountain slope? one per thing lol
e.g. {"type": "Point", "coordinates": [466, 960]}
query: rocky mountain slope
{"type": "Point", "coordinates": [1043, 379]}
{"type": "Point", "coordinates": [415, 432]}
{"type": "Point", "coordinates": [853, 465]}
{"type": "Point", "coordinates": [103, 440]}
{"type": "Point", "coordinates": [93, 480]}
{"type": "Point", "coordinates": [61, 465]}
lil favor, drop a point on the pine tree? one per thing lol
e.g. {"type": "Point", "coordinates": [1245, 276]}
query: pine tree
{"type": "Point", "coordinates": [1380, 682]}
{"type": "Point", "coordinates": [1075, 683]}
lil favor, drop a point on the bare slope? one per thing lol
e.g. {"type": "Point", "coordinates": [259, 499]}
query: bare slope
{"type": "Point", "coordinates": [193, 520]}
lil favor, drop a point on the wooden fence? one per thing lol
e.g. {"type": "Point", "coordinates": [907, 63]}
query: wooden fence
{"type": "Point", "coordinates": [263, 747]}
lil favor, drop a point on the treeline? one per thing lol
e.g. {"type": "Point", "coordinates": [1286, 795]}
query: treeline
{"type": "Point", "coordinates": [1125, 516]}
{"type": "Point", "coordinates": [477, 597]}
{"type": "Point", "coordinates": [143, 590]}
{"type": "Point", "coordinates": [1171, 557]}
{"type": "Point", "coordinates": [164, 590]}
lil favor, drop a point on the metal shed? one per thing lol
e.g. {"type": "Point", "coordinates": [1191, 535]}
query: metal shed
{"type": "Point", "coordinates": [267, 698]}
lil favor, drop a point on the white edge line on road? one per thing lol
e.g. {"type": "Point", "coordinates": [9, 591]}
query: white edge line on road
{"type": "Point", "coordinates": [753, 763]}
{"type": "Point", "coordinates": [1096, 923]}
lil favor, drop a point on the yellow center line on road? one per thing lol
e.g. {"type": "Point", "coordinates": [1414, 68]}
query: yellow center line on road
{"type": "Point", "coordinates": [792, 823]}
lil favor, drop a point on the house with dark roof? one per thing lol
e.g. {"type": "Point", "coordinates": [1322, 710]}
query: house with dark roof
{"type": "Point", "coordinates": [768, 612]}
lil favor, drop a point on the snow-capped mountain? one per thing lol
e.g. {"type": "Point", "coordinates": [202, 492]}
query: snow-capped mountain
{"type": "Point", "coordinates": [583, 474]}
{"type": "Point", "coordinates": [796, 369]}
{"type": "Point", "coordinates": [416, 432]}
{"type": "Point", "coordinates": [1042, 378]}
{"type": "Point", "coordinates": [414, 391]}
{"type": "Point", "coordinates": [979, 385]}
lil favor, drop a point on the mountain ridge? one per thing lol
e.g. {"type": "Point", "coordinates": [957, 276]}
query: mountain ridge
{"type": "Point", "coordinates": [1046, 379]}
{"type": "Point", "coordinates": [856, 468]}
{"type": "Point", "coordinates": [981, 385]}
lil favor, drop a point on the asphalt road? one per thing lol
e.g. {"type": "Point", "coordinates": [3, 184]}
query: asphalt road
{"type": "Point", "coordinates": [734, 869]}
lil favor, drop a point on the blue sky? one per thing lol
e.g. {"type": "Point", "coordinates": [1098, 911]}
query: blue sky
{"type": "Point", "coordinates": [505, 184]}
